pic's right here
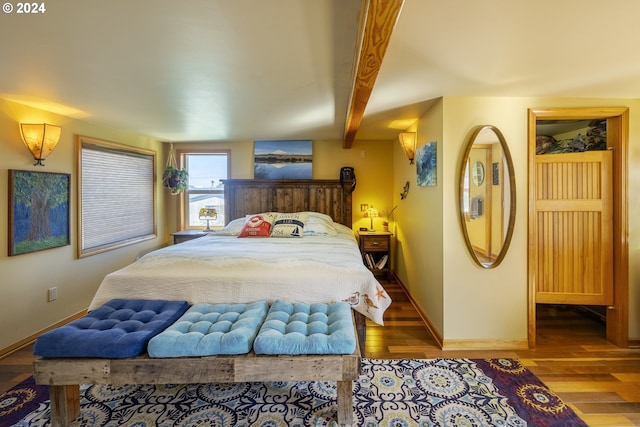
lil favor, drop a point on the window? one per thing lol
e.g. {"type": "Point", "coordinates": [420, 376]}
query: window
{"type": "Point", "coordinates": [207, 169]}
{"type": "Point", "coordinates": [116, 190]}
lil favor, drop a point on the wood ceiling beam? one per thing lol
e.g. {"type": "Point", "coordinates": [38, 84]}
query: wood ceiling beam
{"type": "Point", "coordinates": [377, 20]}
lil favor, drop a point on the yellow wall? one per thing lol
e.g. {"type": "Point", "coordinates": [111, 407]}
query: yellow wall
{"type": "Point", "coordinates": [419, 236]}
{"type": "Point", "coordinates": [26, 278]}
{"type": "Point", "coordinates": [484, 305]}
{"type": "Point", "coordinates": [468, 305]}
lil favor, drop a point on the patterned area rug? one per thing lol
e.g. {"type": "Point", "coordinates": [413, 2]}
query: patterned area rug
{"type": "Point", "coordinates": [434, 392]}
{"type": "Point", "coordinates": [21, 400]}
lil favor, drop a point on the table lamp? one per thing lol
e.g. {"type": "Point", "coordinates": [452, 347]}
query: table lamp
{"type": "Point", "coordinates": [208, 213]}
{"type": "Point", "coordinates": [371, 213]}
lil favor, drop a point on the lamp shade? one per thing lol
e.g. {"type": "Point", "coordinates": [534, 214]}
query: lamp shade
{"type": "Point", "coordinates": [41, 139]}
{"type": "Point", "coordinates": [208, 213]}
{"type": "Point", "coordinates": [408, 143]}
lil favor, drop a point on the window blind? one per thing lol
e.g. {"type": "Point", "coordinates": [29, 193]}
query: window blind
{"type": "Point", "coordinates": [116, 196]}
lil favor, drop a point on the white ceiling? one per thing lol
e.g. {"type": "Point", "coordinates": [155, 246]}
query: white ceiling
{"type": "Point", "coordinates": [209, 70]}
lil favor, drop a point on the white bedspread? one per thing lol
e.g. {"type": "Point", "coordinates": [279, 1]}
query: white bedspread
{"type": "Point", "coordinates": [239, 270]}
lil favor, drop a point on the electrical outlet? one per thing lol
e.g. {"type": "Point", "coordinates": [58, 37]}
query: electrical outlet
{"type": "Point", "coordinates": [53, 293]}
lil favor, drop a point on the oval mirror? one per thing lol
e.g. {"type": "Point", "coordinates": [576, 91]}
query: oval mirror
{"type": "Point", "coordinates": [487, 196]}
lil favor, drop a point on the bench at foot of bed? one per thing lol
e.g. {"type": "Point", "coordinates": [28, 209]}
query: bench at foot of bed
{"type": "Point", "coordinates": [296, 342]}
{"type": "Point", "coordinates": [64, 375]}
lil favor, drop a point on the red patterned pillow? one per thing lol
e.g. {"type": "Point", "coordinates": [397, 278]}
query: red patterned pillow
{"type": "Point", "coordinates": [258, 225]}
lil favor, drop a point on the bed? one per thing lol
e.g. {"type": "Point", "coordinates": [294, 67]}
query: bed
{"type": "Point", "coordinates": [322, 265]}
{"type": "Point", "coordinates": [221, 267]}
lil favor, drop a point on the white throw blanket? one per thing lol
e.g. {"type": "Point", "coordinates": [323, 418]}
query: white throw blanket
{"type": "Point", "coordinates": [228, 269]}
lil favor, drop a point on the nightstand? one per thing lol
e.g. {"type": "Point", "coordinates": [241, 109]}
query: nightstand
{"type": "Point", "coordinates": [375, 247]}
{"type": "Point", "coordinates": [184, 235]}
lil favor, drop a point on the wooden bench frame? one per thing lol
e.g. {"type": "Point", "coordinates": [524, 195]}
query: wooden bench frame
{"type": "Point", "coordinates": [64, 375]}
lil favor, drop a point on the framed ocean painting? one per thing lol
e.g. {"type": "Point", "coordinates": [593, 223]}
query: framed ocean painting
{"type": "Point", "coordinates": [38, 211]}
{"type": "Point", "coordinates": [426, 162]}
{"type": "Point", "coordinates": [282, 160]}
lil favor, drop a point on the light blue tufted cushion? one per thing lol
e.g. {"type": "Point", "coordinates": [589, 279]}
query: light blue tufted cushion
{"type": "Point", "coordinates": [300, 328]}
{"type": "Point", "coordinates": [211, 329]}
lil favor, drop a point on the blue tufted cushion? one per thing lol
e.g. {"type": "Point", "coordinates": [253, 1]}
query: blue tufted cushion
{"type": "Point", "coordinates": [300, 328]}
{"type": "Point", "coordinates": [120, 328]}
{"type": "Point", "coordinates": [211, 329]}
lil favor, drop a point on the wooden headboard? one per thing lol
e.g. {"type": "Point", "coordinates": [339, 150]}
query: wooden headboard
{"type": "Point", "coordinates": [250, 196]}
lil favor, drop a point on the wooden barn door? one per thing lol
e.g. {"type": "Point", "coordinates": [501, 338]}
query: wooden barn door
{"type": "Point", "coordinates": [574, 228]}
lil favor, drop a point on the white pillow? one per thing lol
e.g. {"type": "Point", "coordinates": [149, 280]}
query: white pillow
{"type": "Point", "coordinates": [231, 229]}
{"type": "Point", "coordinates": [343, 229]}
{"type": "Point", "coordinates": [318, 224]}
{"type": "Point", "coordinates": [317, 216]}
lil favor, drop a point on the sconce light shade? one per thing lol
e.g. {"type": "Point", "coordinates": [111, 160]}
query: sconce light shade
{"type": "Point", "coordinates": [208, 213]}
{"type": "Point", "coordinates": [408, 144]}
{"type": "Point", "coordinates": [41, 139]}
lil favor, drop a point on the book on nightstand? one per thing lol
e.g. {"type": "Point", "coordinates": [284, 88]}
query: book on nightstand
{"type": "Point", "coordinates": [382, 262]}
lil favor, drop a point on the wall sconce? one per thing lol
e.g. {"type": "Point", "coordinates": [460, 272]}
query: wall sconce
{"type": "Point", "coordinates": [41, 139]}
{"type": "Point", "coordinates": [371, 213]}
{"type": "Point", "coordinates": [208, 213]}
{"type": "Point", "coordinates": [408, 144]}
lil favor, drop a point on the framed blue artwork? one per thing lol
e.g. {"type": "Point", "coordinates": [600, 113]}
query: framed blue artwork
{"type": "Point", "coordinates": [426, 163]}
{"type": "Point", "coordinates": [38, 211]}
{"type": "Point", "coordinates": [282, 160]}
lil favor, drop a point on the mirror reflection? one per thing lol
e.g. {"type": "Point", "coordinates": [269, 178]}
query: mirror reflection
{"type": "Point", "coordinates": [487, 196]}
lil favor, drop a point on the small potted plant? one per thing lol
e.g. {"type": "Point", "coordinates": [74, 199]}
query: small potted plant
{"type": "Point", "coordinates": [386, 217]}
{"type": "Point", "coordinates": [173, 178]}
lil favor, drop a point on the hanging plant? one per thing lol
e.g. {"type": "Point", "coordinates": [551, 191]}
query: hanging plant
{"type": "Point", "coordinates": [173, 178]}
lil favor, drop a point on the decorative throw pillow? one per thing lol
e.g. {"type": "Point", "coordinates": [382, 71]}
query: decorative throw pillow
{"type": "Point", "coordinates": [289, 225]}
{"type": "Point", "coordinates": [258, 225]}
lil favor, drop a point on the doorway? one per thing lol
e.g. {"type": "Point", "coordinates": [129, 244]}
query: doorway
{"type": "Point", "coordinates": [617, 306]}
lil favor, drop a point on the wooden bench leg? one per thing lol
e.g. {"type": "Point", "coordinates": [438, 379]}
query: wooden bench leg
{"type": "Point", "coordinates": [345, 403]}
{"type": "Point", "coordinates": [65, 404]}
{"type": "Point", "coordinates": [360, 323]}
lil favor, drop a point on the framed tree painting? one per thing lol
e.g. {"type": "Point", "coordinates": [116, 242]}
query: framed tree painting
{"type": "Point", "coordinates": [38, 211]}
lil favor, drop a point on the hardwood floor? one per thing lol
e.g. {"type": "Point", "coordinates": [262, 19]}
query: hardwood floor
{"type": "Point", "coordinates": [599, 381]}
